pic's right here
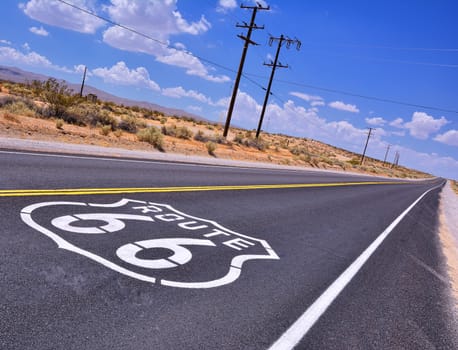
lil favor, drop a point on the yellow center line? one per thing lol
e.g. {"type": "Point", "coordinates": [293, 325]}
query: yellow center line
{"type": "Point", "coordinates": [88, 191]}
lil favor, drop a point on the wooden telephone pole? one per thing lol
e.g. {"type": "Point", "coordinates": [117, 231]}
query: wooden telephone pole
{"type": "Point", "coordinates": [248, 41]}
{"type": "Point", "coordinates": [274, 65]}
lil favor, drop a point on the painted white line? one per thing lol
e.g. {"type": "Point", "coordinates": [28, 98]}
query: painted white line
{"type": "Point", "coordinates": [300, 328]}
{"type": "Point", "coordinates": [183, 163]}
{"type": "Point", "coordinates": [109, 159]}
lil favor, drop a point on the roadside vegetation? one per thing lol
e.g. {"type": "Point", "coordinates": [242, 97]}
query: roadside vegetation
{"type": "Point", "coordinates": [51, 110]}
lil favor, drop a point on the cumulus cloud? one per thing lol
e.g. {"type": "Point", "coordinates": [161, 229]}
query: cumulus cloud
{"type": "Point", "coordinates": [10, 55]}
{"type": "Point", "coordinates": [226, 5]}
{"type": "Point", "coordinates": [398, 123]}
{"type": "Point", "coordinates": [58, 14]}
{"type": "Point", "coordinates": [5, 42]}
{"type": "Point", "coordinates": [343, 106]}
{"type": "Point", "coordinates": [314, 100]}
{"type": "Point", "coordinates": [121, 74]}
{"type": "Point", "coordinates": [422, 125]}
{"type": "Point", "coordinates": [159, 20]}
{"type": "Point", "coordinates": [192, 65]}
{"type": "Point", "coordinates": [449, 138]}
{"type": "Point", "coordinates": [376, 121]}
{"type": "Point", "coordinates": [39, 31]}
{"type": "Point", "coordinates": [178, 92]}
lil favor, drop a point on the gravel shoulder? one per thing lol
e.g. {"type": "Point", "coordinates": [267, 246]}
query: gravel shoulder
{"type": "Point", "coordinates": [448, 232]}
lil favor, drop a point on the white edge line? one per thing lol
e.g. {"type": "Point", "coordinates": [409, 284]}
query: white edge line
{"type": "Point", "coordinates": [291, 337]}
{"type": "Point", "coordinates": [181, 163]}
{"type": "Point", "coordinates": [149, 161]}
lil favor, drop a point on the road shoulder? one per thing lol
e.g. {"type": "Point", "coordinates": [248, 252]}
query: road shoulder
{"type": "Point", "coordinates": [448, 233]}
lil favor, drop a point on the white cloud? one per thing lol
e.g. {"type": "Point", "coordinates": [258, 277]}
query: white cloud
{"type": "Point", "coordinates": [178, 92]}
{"type": "Point", "coordinates": [5, 42]}
{"type": "Point", "coordinates": [120, 74]}
{"type": "Point", "coordinates": [192, 65]}
{"type": "Point", "coordinates": [306, 97]}
{"type": "Point", "coordinates": [343, 106]}
{"type": "Point", "coordinates": [449, 138]}
{"type": "Point", "coordinates": [26, 46]}
{"type": "Point", "coordinates": [226, 5]}
{"type": "Point", "coordinates": [79, 69]}
{"type": "Point", "coordinates": [58, 14]}
{"type": "Point", "coordinates": [317, 103]}
{"type": "Point", "coordinates": [398, 123]}
{"type": "Point", "coordinates": [422, 125]}
{"type": "Point", "coordinates": [12, 56]}
{"type": "Point", "coordinates": [39, 31]}
{"type": "Point", "coordinates": [159, 20]}
{"type": "Point", "coordinates": [376, 121]}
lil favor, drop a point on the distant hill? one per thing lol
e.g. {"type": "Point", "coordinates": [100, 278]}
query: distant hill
{"type": "Point", "coordinates": [17, 75]}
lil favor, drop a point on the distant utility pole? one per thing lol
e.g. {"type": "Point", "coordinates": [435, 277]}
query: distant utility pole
{"type": "Point", "coordinates": [274, 65]}
{"type": "Point", "coordinates": [386, 153]}
{"type": "Point", "coordinates": [365, 147]}
{"type": "Point", "coordinates": [82, 84]}
{"type": "Point", "coordinates": [396, 159]}
{"type": "Point", "coordinates": [247, 41]}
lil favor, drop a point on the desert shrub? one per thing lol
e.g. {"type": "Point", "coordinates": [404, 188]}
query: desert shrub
{"type": "Point", "coordinates": [181, 132]}
{"type": "Point", "coordinates": [128, 124]}
{"type": "Point", "coordinates": [21, 107]}
{"type": "Point", "coordinates": [238, 138]}
{"type": "Point", "coordinates": [105, 130]}
{"type": "Point", "coordinates": [118, 133]}
{"type": "Point", "coordinates": [58, 96]}
{"type": "Point", "coordinates": [200, 136]}
{"type": "Point", "coordinates": [163, 120]}
{"type": "Point", "coordinates": [89, 114]}
{"type": "Point", "coordinates": [298, 150]}
{"type": "Point", "coordinates": [211, 147]}
{"type": "Point", "coordinates": [284, 143]}
{"type": "Point", "coordinates": [354, 161]}
{"type": "Point", "coordinates": [258, 143]}
{"type": "Point", "coordinates": [305, 157]}
{"type": "Point", "coordinates": [7, 100]}
{"type": "Point", "coordinates": [153, 136]}
{"type": "Point", "coordinates": [59, 124]}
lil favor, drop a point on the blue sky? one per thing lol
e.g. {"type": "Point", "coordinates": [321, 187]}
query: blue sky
{"type": "Point", "coordinates": [405, 51]}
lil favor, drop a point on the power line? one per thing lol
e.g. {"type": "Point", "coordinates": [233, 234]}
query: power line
{"type": "Point", "coordinates": [432, 49]}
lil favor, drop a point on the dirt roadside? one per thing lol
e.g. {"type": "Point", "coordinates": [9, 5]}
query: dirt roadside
{"type": "Point", "coordinates": [448, 233]}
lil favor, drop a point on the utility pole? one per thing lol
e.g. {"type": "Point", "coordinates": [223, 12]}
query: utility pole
{"type": "Point", "coordinates": [247, 41]}
{"type": "Point", "coordinates": [396, 159]}
{"type": "Point", "coordinates": [386, 154]}
{"type": "Point", "coordinates": [365, 147]}
{"type": "Point", "coordinates": [82, 84]}
{"type": "Point", "coordinates": [274, 65]}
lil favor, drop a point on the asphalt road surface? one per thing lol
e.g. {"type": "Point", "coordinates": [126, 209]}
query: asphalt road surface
{"type": "Point", "coordinates": [125, 254]}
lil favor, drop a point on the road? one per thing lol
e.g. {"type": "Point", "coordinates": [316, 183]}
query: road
{"type": "Point", "coordinates": [158, 255]}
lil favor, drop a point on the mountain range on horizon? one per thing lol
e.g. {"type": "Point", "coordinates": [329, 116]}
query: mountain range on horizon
{"type": "Point", "coordinates": [17, 75]}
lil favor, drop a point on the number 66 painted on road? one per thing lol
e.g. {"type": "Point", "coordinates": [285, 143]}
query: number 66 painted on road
{"type": "Point", "coordinates": [128, 252]}
{"type": "Point", "coordinates": [176, 232]}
